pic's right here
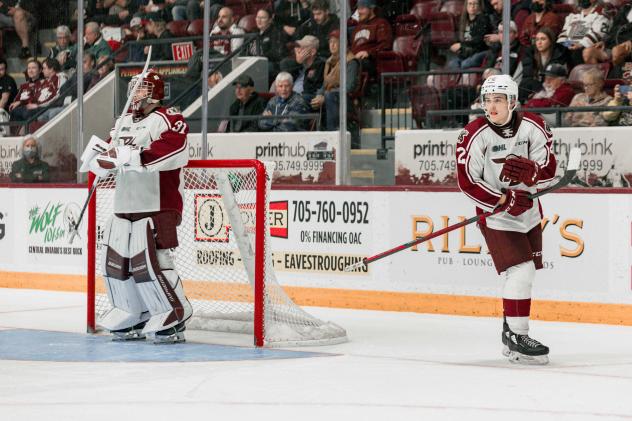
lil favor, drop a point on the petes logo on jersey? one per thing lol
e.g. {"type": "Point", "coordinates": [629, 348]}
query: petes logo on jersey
{"type": "Point", "coordinates": [464, 133]}
{"type": "Point", "coordinates": [508, 132]}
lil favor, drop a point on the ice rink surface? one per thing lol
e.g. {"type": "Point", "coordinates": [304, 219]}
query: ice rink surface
{"type": "Point", "coordinates": [397, 366]}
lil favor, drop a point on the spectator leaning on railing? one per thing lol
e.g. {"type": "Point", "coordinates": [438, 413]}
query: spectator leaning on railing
{"type": "Point", "coordinates": [622, 96]}
{"type": "Point", "coordinates": [225, 26]}
{"type": "Point", "coordinates": [8, 88]}
{"type": "Point", "coordinates": [247, 102]}
{"type": "Point", "coordinates": [371, 35]}
{"type": "Point", "coordinates": [593, 95]}
{"type": "Point", "coordinates": [30, 168]}
{"type": "Point", "coordinates": [286, 102]}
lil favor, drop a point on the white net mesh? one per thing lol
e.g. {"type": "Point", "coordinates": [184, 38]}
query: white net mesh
{"type": "Point", "coordinates": [216, 260]}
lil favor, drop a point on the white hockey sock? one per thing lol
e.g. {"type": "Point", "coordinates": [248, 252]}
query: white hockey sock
{"type": "Point", "coordinates": [517, 296]}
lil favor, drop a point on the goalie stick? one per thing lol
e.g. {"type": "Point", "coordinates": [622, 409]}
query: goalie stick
{"type": "Point", "coordinates": [572, 166]}
{"type": "Point", "coordinates": [75, 229]}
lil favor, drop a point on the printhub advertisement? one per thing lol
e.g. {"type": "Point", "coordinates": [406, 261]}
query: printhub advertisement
{"type": "Point", "coordinates": [39, 222]}
{"type": "Point", "coordinates": [427, 157]}
{"type": "Point", "coordinates": [298, 158]}
{"type": "Point", "coordinates": [9, 153]}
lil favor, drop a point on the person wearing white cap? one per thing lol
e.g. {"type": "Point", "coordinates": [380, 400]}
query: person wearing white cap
{"type": "Point", "coordinates": [307, 68]}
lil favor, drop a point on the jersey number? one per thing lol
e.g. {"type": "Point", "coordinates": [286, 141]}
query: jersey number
{"type": "Point", "coordinates": [179, 126]}
{"type": "Point", "coordinates": [460, 156]}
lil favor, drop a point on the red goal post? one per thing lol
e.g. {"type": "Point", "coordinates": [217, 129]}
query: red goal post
{"type": "Point", "coordinates": [228, 273]}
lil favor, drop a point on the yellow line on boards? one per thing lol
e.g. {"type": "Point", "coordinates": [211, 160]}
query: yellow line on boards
{"type": "Point", "coordinates": [462, 305]}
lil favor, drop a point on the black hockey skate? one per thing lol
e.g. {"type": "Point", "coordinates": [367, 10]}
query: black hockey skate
{"type": "Point", "coordinates": [134, 333]}
{"type": "Point", "coordinates": [522, 349]}
{"type": "Point", "coordinates": [173, 335]}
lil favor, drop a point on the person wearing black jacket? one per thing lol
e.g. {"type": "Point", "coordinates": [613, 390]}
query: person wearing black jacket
{"type": "Point", "coordinates": [307, 68]}
{"type": "Point", "coordinates": [270, 43]}
{"type": "Point", "coordinates": [473, 26]}
{"type": "Point", "coordinates": [248, 102]}
{"type": "Point", "coordinates": [319, 25]}
{"type": "Point", "coordinates": [158, 29]}
{"type": "Point", "coordinates": [544, 51]}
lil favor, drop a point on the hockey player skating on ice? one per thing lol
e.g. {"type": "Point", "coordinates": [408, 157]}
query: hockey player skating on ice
{"type": "Point", "coordinates": [501, 159]}
{"type": "Point", "coordinates": [147, 154]}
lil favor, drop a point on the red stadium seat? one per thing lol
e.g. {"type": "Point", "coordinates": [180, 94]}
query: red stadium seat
{"type": "Point", "coordinates": [178, 28]}
{"type": "Point", "coordinates": [256, 5]}
{"type": "Point", "coordinates": [455, 7]}
{"type": "Point", "coordinates": [409, 47]}
{"type": "Point", "coordinates": [442, 30]}
{"type": "Point", "coordinates": [389, 61]}
{"type": "Point", "coordinates": [424, 98]}
{"type": "Point", "coordinates": [407, 25]}
{"type": "Point", "coordinates": [247, 23]}
{"type": "Point", "coordinates": [196, 27]}
{"type": "Point", "coordinates": [423, 11]}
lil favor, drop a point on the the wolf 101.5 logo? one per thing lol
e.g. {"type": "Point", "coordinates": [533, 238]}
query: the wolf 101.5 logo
{"type": "Point", "coordinates": [54, 221]}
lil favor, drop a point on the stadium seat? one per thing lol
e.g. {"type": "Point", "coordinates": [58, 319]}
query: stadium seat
{"type": "Point", "coordinates": [423, 11]}
{"type": "Point", "coordinates": [445, 81]}
{"type": "Point", "coordinates": [471, 79]}
{"type": "Point", "coordinates": [256, 5]}
{"type": "Point", "coordinates": [455, 7]}
{"type": "Point", "coordinates": [563, 10]}
{"type": "Point", "coordinates": [407, 25]}
{"type": "Point", "coordinates": [389, 61]}
{"type": "Point", "coordinates": [424, 98]}
{"type": "Point", "coordinates": [409, 47]}
{"type": "Point", "coordinates": [442, 30]}
{"type": "Point", "coordinates": [196, 27]}
{"type": "Point", "coordinates": [178, 28]}
{"type": "Point", "coordinates": [247, 23]}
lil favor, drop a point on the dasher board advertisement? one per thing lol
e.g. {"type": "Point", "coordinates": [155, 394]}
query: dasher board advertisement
{"type": "Point", "coordinates": [427, 157]}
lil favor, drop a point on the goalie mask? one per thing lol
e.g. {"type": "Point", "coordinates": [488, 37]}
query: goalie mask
{"type": "Point", "coordinates": [500, 84]}
{"type": "Point", "coordinates": [151, 90]}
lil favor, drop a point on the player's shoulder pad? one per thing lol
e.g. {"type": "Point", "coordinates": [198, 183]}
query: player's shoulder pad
{"type": "Point", "coordinates": [471, 130]}
{"type": "Point", "coordinates": [171, 116]}
{"type": "Point", "coordinates": [538, 122]}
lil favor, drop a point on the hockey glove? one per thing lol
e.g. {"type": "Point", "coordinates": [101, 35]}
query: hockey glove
{"type": "Point", "coordinates": [521, 170]}
{"type": "Point", "coordinates": [119, 157]}
{"type": "Point", "coordinates": [95, 147]}
{"type": "Point", "coordinates": [517, 202]}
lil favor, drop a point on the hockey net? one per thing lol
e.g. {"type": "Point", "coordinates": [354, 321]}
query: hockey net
{"type": "Point", "coordinates": [224, 257]}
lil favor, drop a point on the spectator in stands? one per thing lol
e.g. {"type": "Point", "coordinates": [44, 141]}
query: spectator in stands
{"type": "Point", "coordinates": [286, 102]}
{"type": "Point", "coordinates": [471, 49]}
{"type": "Point", "coordinates": [319, 25]}
{"type": "Point", "coordinates": [192, 9]}
{"type": "Point", "coordinates": [593, 95]}
{"type": "Point", "coordinates": [157, 29]}
{"type": "Point", "coordinates": [113, 12]}
{"type": "Point", "coordinates": [555, 92]}
{"type": "Point", "coordinates": [515, 52]}
{"type": "Point", "coordinates": [329, 94]}
{"type": "Point", "coordinates": [8, 88]}
{"type": "Point", "coordinates": [61, 51]}
{"type": "Point", "coordinates": [291, 14]}
{"type": "Point", "coordinates": [541, 17]}
{"type": "Point", "coordinates": [14, 16]}
{"type": "Point", "coordinates": [26, 93]}
{"type": "Point", "coordinates": [270, 43]}
{"type": "Point", "coordinates": [372, 34]}
{"type": "Point", "coordinates": [30, 168]}
{"type": "Point", "coordinates": [225, 26]}
{"type": "Point", "coordinates": [584, 29]}
{"type": "Point", "coordinates": [544, 51]}
{"type": "Point", "coordinates": [617, 43]}
{"type": "Point", "coordinates": [94, 42]}
{"type": "Point", "coordinates": [248, 102]}
{"type": "Point", "coordinates": [495, 13]}
{"type": "Point", "coordinates": [137, 31]}
{"type": "Point", "coordinates": [306, 68]}
{"type": "Point", "coordinates": [103, 67]}
{"type": "Point", "coordinates": [69, 90]}
{"type": "Point", "coordinates": [621, 97]}
{"type": "Point", "coordinates": [46, 91]}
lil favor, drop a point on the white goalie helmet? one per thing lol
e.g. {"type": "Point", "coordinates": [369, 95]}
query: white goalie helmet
{"type": "Point", "coordinates": [501, 84]}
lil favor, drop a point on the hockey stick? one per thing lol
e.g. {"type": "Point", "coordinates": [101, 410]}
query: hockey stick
{"type": "Point", "coordinates": [117, 129]}
{"type": "Point", "coordinates": [574, 158]}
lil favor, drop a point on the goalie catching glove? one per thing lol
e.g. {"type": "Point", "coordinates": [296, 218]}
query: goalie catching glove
{"type": "Point", "coordinates": [521, 170]}
{"type": "Point", "coordinates": [516, 203]}
{"type": "Point", "coordinates": [118, 157]}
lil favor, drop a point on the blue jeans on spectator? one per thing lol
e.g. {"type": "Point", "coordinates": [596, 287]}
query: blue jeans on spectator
{"type": "Point", "coordinates": [474, 60]}
{"type": "Point", "coordinates": [332, 110]}
{"type": "Point", "coordinates": [179, 13]}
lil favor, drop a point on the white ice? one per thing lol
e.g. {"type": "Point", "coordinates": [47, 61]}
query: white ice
{"type": "Point", "coordinates": [397, 366]}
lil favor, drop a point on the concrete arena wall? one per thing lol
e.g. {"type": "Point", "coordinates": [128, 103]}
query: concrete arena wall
{"type": "Point", "coordinates": [316, 232]}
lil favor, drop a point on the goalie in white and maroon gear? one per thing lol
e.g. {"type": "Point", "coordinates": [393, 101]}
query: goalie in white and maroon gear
{"type": "Point", "coordinates": [144, 289]}
{"type": "Point", "coordinates": [501, 159]}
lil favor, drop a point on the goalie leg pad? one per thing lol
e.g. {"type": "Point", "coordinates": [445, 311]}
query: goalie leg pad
{"type": "Point", "coordinates": [128, 309]}
{"type": "Point", "coordinates": [158, 283]}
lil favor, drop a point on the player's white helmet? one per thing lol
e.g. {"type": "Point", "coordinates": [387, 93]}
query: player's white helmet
{"type": "Point", "coordinates": [151, 89]}
{"type": "Point", "coordinates": [500, 84]}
